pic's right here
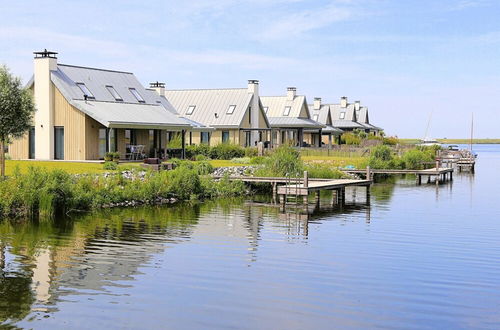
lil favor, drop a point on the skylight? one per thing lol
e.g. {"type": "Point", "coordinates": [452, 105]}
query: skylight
{"type": "Point", "coordinates": [190, 109]}
{"type": "Point", "coordinates": [342, 115]}
{"type": "Point", "coordinates": [85, 90]}
{"type": "Point", "coordinates": [287, 111]}
{"type": "Point", "coordinates": [137, 95]}
{"type": "Point", "coordinates": [231, 109]}
{"type": "Point", "coordinates": [114, 93]}
{"type": "Point", "coordinates": [265, 109]}
{"type": "Point", "coordinates": [315, 117]}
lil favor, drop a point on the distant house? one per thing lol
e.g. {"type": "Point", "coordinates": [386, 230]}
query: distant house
{"type": "Point", "coordinates": [235, 114]}
{"type": "Point", "coordinates": [83, 112]}
{"type": "Point", "coordinates": [321, 113]}
{"type": "Point", "coordinates": [289, 117]}
{"type": "Point", "coordinates": [363, 118]}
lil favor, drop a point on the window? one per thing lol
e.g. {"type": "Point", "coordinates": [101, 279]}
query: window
{"type": "Point", "coordinates": [231, 109]}
{"type": "Point", "coordinates": [85, 90]}
{"type": "Point", "coordinates": [137, 95]}
{"type": "Point", "coordinates": [114, 93]}
{"type": "Point", "coordinates": [225, 136]}
{"type": "Point", "coordinates": [31, 138]}
{"type": "Point", "coordinates": [250, 115]}
{"type": "Point", "coordinates": [315, 117]}
{"type": "Point", "coordinates": [102, 142]}
{"type": "Point", "coordinates": [58, 142]}
{"type": "Point", "coordinates": [265, 109]}
{"type": "Point", "coordinates": [287, 111]}
{"type": "Point", "coordinates": [205, 138]}
{"type": "Point", "coordinates": [130, 137]}
{"type": "Point", "coordinates": [342, 115]}
{"type": "Point", "coordinates": [190, 109]}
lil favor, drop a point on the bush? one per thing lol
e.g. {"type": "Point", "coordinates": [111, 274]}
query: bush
{"type": "Point", "coordinates": [201, 149]}
{"type": "Point", "coordinates": [183, 182]}
{"type": "Point", "coordinates": [283, 161]}
{"type": "Point", "coordinates": [251, 152]}
{"type": "Point", "coordinates": [204, 168]}
{"type": "Point", "coordinates": [226, 151]}
{"type": "Point", "coordinates": [324, 171]}
{"type": "Point", "coordinates": [381, 158]}
{"type": "Point", "coordinates": [391, 141]}
{"type": "Point", "coordinates": [350, 139]}
{"type": "Point", "coordinates": [200, 157]}
{"type": "Point", "coordinates": [110, 166]}
{"type": "Point", "coordinates": [413, 159]}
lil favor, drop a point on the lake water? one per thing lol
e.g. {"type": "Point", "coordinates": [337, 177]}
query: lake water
{"type": "Point", "coordinates": [416, 257]}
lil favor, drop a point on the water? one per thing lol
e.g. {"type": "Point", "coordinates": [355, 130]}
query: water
{"type": "Point", "coordinates": [417, 257]}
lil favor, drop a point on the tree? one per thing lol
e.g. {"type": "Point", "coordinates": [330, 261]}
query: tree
{"type": "Point", "coordinates": [16, 111]}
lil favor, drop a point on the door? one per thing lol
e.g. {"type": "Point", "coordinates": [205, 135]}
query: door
{"type": "Point", "coordinates": [31, 143]}
{"type": "Point", "coordinates": [59, 143]}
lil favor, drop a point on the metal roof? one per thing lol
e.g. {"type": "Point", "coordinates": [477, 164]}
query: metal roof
{"type": "Point", "coordinates": [336, 110]}
{"type": "Point", "coordinates": [212, 105]}
{"type": "Point", "coordinates": [276, 105]}
{"type": "Point", "coordinates": [342, 124]}
{"type": "Point", "coordinates": [323, 113]}
{"type": "Point", "coordinates": [104, 108]}
{"type": "Point", "coordinates": [294, 122]}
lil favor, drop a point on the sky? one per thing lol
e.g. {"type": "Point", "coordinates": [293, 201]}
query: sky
{"type": "Point", "coordinates": [410, 62]}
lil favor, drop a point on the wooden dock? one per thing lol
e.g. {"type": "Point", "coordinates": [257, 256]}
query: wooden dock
{"type": "Point", "coordinates": [439, 174]}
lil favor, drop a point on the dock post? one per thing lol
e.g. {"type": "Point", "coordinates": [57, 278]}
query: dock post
{"type": "Point", "coordinates": [451, 176]}
{"type": "Point", "coordinates": [368, 194]}
{"type": "Point", "coordinates": [419, 179]}
{"type": "Point", "coordinates": [368, 173]}
{"type": "Point", "coordinates": [342, 196]}
{"type": "Point", "coordinates": [283, 199]}
{"type": "Point", "coordinates": [275, 191]}
{"type": "Point", "coordinates": [317, 197]}
{"type": "Point", "coordinates": [335, 196]}
{"type": "Point", "coordinates": [306, 179]}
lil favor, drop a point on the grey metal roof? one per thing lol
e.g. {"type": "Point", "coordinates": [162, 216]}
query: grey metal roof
{"type": "Point", "coordinates": [104, 108]}
{"type": "Point", "coordinates": [294, 122]}
{"type": "Point", "coordinates": [323, 114]}
{"type": "Point", "coordinates": [276, 105]}
{"type": "Point", "coordinates": [336, 110]}
{"type": "Point", "coordinates": [342, 124]}
{"type": "Point", "coordinates": [211, 105]}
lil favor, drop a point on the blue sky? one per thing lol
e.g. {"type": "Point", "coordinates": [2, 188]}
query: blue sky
{"type": "Point", "coordinates": [402, 59]}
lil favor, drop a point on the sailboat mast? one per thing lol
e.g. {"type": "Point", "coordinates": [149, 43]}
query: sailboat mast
{"type": "Point", "coordinates": [471, 130]}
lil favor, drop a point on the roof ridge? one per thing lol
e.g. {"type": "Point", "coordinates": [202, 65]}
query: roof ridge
{"type": "Point", "coordinates": [204, 89]}
{"type": "Point", "coordinates": [91, 68]}
{"type": "Point", "coordinates": [118, 102]}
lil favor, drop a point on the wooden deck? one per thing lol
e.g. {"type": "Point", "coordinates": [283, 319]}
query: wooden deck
{"type": "Point", "coordinates": [439, 174]}
{"type": "Point", "coordinates": [304, 190]}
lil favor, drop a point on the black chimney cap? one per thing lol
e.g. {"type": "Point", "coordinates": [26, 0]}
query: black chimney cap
{"type": "Point", "coordinates": [45, 53]}
{"type": "Point", "coordinates": [157, 84]}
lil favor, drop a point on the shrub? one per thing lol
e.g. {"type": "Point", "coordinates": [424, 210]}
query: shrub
{"type": "Point", "coordinates": [200, 157]}
{"type": "Point", "coordinates": [350, 139]}
{"type": "Point", "coordinates": [283, 161]}
{"type": "Point", "coordinates": [183, 182]}
{"type": "Point", "coordinates": [201, 149]}
{"type": "Point", "coordinates": [381, 157]}
{"type": "Point", "coordinates": [251, 152]}
{"type": "Point", "coordinates": [413, 159]}
{"type": "Point", "coordinates": [391, 141]}
{"type": "Point", "coordinates": [110, 166]}
{"type": "Point", "coordinates": [324, 171]}
{"type": "Point", "coordinates": [226, 151]}
{"type": "Point", "coordinates": [204, 168]}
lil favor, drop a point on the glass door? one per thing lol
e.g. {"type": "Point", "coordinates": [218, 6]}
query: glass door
{"type": "Point", "coordinates": [31, 137]}
{"type": "Point", "coordinates": [59, 143]}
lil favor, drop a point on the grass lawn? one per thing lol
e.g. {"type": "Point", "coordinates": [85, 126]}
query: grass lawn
{"type": "Point", "coordinates": [70, 167]}
{"type": "Point", "coordinates": [223, 163]}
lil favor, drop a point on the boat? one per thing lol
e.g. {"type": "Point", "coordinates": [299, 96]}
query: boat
{"type": "Point", "coordinates": [428, 142]}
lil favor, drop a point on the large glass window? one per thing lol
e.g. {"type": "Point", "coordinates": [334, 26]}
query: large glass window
{"type": "Point", "coordinates": [205, 138]}
{"type": "Point", "coordinates": [225, 136]}
{"type": "Point", "coordinates": [231, 109]}
{"type": "Point", "coordinates": [137, 95]}
{"type": "Point", "coordinates": [58, 142]}
{"type": "Point", "coordinates": [102, 142]}
{"type": "Point", "coordinates": [85, 90]}
{"type": "Point", "coordinates": [31, 143]}
{"type": "Point", "coordinates": [114, 93]}
{"type": "Point", "coordinates": [130, 137]}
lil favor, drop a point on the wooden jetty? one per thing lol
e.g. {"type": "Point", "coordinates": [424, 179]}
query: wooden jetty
{"type": "Point", "coordinates": [285, 187]}
{"type": "Point", "coordinates": [440, 174]}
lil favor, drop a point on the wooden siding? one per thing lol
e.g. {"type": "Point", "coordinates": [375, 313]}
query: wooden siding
{"type": "Point", "coordinates": [73, 121]}
{"type": "Point", "coordinates": [92, 138]}
{"type": "Point", "coordinates": [19, 148]}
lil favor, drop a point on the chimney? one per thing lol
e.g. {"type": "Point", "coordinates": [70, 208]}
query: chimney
{"type": "Point", "coordinates": [253, 88]}
{"type": "Point", "coordinates": [317, 103]}
{"type": "Point", "coordinates": [290, 93]}
{"type": "Point", "coordinates": [159, 87]}
{"type": "Point", "coordinates": [357, 105]}
{"type": "Point", "coordinates": [343, 102]}
{"type": "Point", "coordinates": [44, 62]}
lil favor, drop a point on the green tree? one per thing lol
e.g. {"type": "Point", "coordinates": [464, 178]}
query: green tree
{"type": "Point", "coordinates": [16, 111]}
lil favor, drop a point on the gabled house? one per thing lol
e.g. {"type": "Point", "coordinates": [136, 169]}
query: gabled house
{"type": "Point", "coordinates": [289, 117]}
{"type": "Point", "coordinates": [235, 114]}
{"type": "Point", "coordinates": [344, 116]}
{"type": "Point", "coordinates": [83, 112]}
{"type": "Point", "coordinates": [363, 118]}
{"type": "Point", "coordinates": [321, 113]}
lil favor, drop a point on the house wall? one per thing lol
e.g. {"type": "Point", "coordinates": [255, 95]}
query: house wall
{"type": "Point", "coordinates": [92, 138]}
{"type": "Point", "coordinates": [73, 121]}
{"type": "Point", "coordinates": [19, 148]}
{"type": "Point", "coordinates": [142, 136]}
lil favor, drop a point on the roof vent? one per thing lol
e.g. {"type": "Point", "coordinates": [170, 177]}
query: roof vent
{"type": "Point", "coordinates": [45, 53]}
{"type": "Point", "coordinates": [253, 81]}
{"type": "Point", "coordinates": [157, 84]}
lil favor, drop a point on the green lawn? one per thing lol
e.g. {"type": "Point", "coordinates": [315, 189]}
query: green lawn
{"type": "Point", "coordinates": [70, 167]}
{"type": "Point", "coordinates": [336, 161]}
